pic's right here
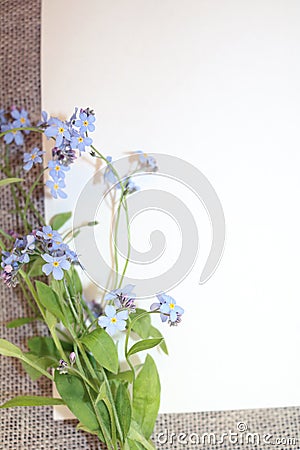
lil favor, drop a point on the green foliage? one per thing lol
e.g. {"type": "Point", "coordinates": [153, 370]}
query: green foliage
{"type": "Point", "coordinates": [7, 181]}
{"type": "Point", "coordinates": [154, 332]}
{"type": "Point", "coordinates": [9, 349]}
{"type": "Point", "coordinates": [59, 220]}
{"type": "Point", "coordinates": [32, 400]}
{"type": "Point", "coordinates": [43, 362]}
{"type": "Point", "coordinates": [144, 345]}
{"type": "Point", "coordinates": [49, 299]}
{"type": "Point", "coordinates": [123, 407]}
{"type": "Point", "coordinates": [142, 325]}
{"type": "Point", "coordinates": [75, 394]}
{"type": "Point", "coordinates": [146, 397]}
{"type": "Point", "coordinates": [21, 321]}
{"type": "Point", "coordinates": [36, 267]}
{"type": "Point", "coordinates": [102, 346]}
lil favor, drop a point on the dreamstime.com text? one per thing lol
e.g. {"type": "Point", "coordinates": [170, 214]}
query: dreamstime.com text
{"type": "Point", "coordinates": [240, 436]}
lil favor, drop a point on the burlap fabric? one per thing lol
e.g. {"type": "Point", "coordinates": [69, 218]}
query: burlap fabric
{"type": "Point", "coordinates": [34, 428]}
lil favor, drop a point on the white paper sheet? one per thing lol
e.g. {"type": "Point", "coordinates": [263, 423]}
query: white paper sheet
{"type": "Point", "coordinates": [215, 83]}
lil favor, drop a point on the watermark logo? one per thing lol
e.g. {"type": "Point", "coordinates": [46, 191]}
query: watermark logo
{"type": "Point", "coordinates": [156, 199]}
{"type": "Point", "coordinates": [240, 436]}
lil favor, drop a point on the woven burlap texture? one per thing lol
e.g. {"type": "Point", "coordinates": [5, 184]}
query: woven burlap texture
{"type": "Point", "coordinates": [34, 428]}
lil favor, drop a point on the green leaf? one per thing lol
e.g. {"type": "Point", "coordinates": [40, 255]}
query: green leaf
{"type": "Point", "coordinates": [82, 427]}
{"type": "Point", "coordinates": [127, 375]}
{"type": "Point", "coordinates": [123, 407]}
{"type": "Point", "coordinates": [10, 180]}
{"type": "Point", "coordinates": [75, 281]}
{"type": "Point", "coordinates": [146, 397]}
{"type": "Point", "coordinates": [36, 267]}
{"type": "Point", "coordinates": [142, 325]}
{"type": "Point", "coordinates": [59, 220]}
{"type": "Point", "coordinates": [144, 345]}
{"type": "Point", "coordinates": [154, 332]}
{"type": "Point", "coordinates": [136, 435]}
{"type": "Point", "coordinates": [132, 445]}
{"type": "Point", "coordinates": [21, 321]}
{"type": "Point", "coordinates": [32, 400]}
{"type": "Point", "coordinates": [73, 392]}
{"type": "Point", "coordinates": [9, 349]}
{"type": "Point", "coordinates": [102, 393]}
{"type": "Point", "coordinates": [49, 300]}
{"type": "Point", "coordinates": [45, 346]}
{"type": "Point", "coordinates": [43, 362]}
{"type": "Point", "coordinates": [102, 346]}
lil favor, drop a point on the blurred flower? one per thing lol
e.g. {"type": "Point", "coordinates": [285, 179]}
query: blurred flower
{"type": "Point", "coordinates": [123, 298]}
{"type": "Point", "coordinates": [113, 321]}
{"type": "Point", "coordinates": [109, 174]}
{"type": "Point", "coordinates": [168, 308]}
{"type": "Point", "coordinates": [59, 130]}
{"type": "Point", "coordinates": [3, 119]}
{"type": "Point", "coordinates": [21, 118]}
{"type": "Point", "coordinates": [57, 170]}
{"type": "Point", "coordinates": [72, 358]}
{"type": "Point", "coordinates": [45, 121]}
{"type": "Point", "coordinates": [146, 161]}
{"type": "Point", "coordinates": [65, 156]}
{"type": "Point", "coordinates": [16, 136]}
{"type": "Point", "coordinates": [34, 157]}
{"type": "Point", "coordinates": [63, 367]}
{"type": "Point", "coordinates": [55, 265]}
{"type": "Point", "coordinates": [48, 233]}
{"type": "Point", "coordinates": [80, 141]}
{"type": "Point", "coordinates": [85, 122]}
{"type": "Point", "coordinates": [56, 187]}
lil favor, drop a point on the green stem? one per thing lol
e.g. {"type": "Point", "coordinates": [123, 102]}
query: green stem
{"type": "Point", "coordinates": [129, 245]}
{"type": "Point", "coordinates": [22, 191]}
{"type": "Point", "coordinates": [7, 236]}
{"type": "Point", "coordinates": [27, 200]}
{"type": "Point", "coordinates": [124, 202]}
{"type": "Point", "coordinates": [112, 404]}
{"type": "Point", "coordinates": [41, 308]}
{"type": "Point", "coordinates": [99, 418]}
{"type": "Point", "coordinates": [38, 130]}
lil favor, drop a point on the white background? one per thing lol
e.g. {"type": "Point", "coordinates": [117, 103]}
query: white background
{"type": "Point", "coordinates": [216, 83]}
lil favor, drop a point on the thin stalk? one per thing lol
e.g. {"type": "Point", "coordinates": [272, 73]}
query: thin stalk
{"type": "Point", "coordinates": [38, 130]}
{"type": "Point", "coordinates": [41, 308]}
{"type": "Point", "coordinates": [27, 201]}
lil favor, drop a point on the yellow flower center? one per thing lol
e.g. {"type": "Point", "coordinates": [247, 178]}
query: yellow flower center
{"type": "Point", "coordinates": [57, 168]}
{"type": "Point", "coordinates": [32, 157]}
{"type": "Point", "coordinates": [61, 130]}
{"type": "Point", "coordinates": [55, 264]}
{"type": "Point", "coordinates": [22, 120]}
{"type": "Point", "coordinates": [85, 123]}
{"type": "Point", "coordinates": [80, 139]}
{"type": "Point", "coordinates": [55, 187]}
{"type": "Point", "coordinates": [172, 306]}
{"type": "Point", "coordinates": [50, 235]}
{"type": "Point", "coordinates": [113, 320]}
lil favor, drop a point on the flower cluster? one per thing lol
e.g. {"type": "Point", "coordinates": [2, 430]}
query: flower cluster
{"type": "Point", "coordinates": [116, 315]}
{"type": "Point", "coordinates": [168, 309]}
{"type": "Point", "coordinates": [13, 261]}
{"type": "Point", "coordinates": [69, 136]}
{"type": "Point", "coordinates": [145, 163]}
{"type": "Point", "coordinates": [15, 118]}
{"type": "Point", "coordinates": [46, 243]}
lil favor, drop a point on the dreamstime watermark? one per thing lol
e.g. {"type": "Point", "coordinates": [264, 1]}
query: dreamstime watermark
{"type": "Point", "coordinates": [240, 436]}
{"type": "Point", "coordinates": [156, 199]}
